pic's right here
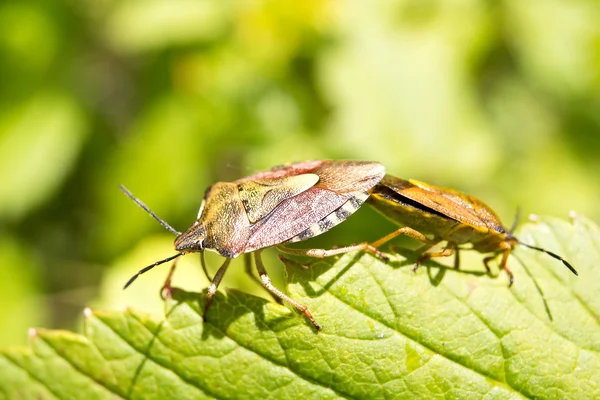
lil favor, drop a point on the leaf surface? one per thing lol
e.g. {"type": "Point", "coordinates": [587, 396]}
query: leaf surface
{"type": "Point", "coordinates": [387, 333]}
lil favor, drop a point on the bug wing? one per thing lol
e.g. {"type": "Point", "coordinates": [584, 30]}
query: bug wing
{"type": "Point", "coordinates": [339, 181]}
{"type": "Point", "coordinates": [349, 176]}
{"type": "Point", "coordinates": [445, 203]}
{"type": "Point", "coordinates": [456, 205]}
{"type": "Point", "coordinates": [281, 171]}
{"type": "Point", "coordinates": [486, 214]}
{"type": "Point", "coordinates": [336, 175]}
{"type": "Point", "coordinates": [233, 212]}
{"type": "Point", "coordinates": [260, 197]}
{"type": "Point", "coordinates": [293, 216]}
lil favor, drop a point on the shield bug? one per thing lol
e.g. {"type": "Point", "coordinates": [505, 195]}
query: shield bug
{"type": "Point", "coordinates": [431, 214]}
{"type": "Point", "coordinates": [285, 204]}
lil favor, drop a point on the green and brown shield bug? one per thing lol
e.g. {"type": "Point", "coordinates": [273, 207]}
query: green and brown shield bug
{"type": "Point", "coordinates": [431, 214]}
{"type": "Point", "coordinates": [285, 204]}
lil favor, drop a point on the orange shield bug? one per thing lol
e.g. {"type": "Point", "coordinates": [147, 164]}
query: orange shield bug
{"type": "Point", "coordinates": [285, 204]}
{"type": "Point", "coordinates": [431, 214]}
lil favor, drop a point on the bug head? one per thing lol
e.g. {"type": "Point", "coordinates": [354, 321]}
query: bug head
{"type": "Point", "coordinates": [191, 240]}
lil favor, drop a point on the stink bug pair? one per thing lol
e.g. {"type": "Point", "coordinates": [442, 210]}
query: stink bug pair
{"type": "Point", "coordinates": [295, 202]}
{"type": "Point", "coordinates": [285, 204]}
{"type": "Point", "coordinates": [431, 214]}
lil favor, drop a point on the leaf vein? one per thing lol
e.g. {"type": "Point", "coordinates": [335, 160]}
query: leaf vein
{"type": "Point", "coordinates": [288, 367]}
{"type": "Point", "coordinates": [409, 336]}
{"type": "Point", "coordinates": [32, 375]}
{"type": "Point", "coordinates": [575, 295]}
{"type": "Point", "coordinates": [82, 372]}
{"type": "Point", "coordinates": [163, 365]}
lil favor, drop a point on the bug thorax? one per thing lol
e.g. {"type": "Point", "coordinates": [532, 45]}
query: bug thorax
{"type": "Point", "coordinates": [192, 239]}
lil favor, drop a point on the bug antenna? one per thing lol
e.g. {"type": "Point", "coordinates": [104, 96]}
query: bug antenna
{"type": "Point", "coordinates": [149, 211]}
{"type": "Point", "coordinates": [516, 220]}
{"type": "Point", "coordinates": [149, 267]}
{"type": "Point", "coordinates": [551, 254]}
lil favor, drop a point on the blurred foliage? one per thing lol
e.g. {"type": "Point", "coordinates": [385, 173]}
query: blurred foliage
{"type": "Point", "coordinates": [499, 99]}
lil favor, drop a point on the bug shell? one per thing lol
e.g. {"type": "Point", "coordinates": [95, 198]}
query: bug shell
{"type": "Point", "coordinates": [273, 206]}
{"type": "Point", "coordinates": [444, 214]}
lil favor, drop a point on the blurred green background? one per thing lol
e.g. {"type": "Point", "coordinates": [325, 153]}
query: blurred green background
{"type": "Point", "coordinates": [499, 99]}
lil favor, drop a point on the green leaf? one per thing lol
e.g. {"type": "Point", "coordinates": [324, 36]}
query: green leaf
{"type": "Point", "coordinates": [387, 333]}
{"type": "Point", "coordinates": [20, 297]}
{"type": "Point", "coordinates": [139, 26]}
{"type": "Point", "coordinates": [40, 140]}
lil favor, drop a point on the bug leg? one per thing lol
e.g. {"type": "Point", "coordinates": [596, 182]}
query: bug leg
{"type": "Point", "coordinates": [248, 270]}
{"type": "Point", "coordinates": [165, 290]}
{"type": "Point", "coordinates": [486, 263]}
{"type": "Point", "coordinates": [204, 269]}
{"type": "Point", "coordinates": [406, 231]}
{"type": "Point", "coordinates": [370, 247]}
{"type": "Point", "coordinates": [410, 233]}
{"type": "Point", "coordinates": [248, 267]}
{"type": "Point", "coordinates": [503, 261]}
{"type": "Point", "coordinates": [511, 277]}
{"type": "Point", "coordinates": [456, 257]}
{"type": "Point", "coordinates": [266, 281]}
{"type": "Point", "coordinates": [446, 252]}
{"type": "Point", "coordinates": [323, 253]}
{"type": "Point", "coordinates": [212, 289]}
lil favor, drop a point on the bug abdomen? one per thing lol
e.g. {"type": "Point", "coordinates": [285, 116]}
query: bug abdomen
{"type": "Point", "coordinates": [333, 219]}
